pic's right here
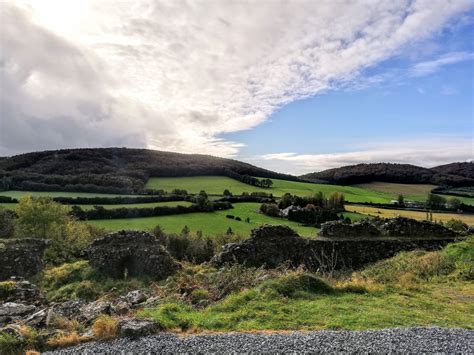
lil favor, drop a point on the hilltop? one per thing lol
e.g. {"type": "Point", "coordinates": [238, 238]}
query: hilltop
{"type": "Point", "coordinates": [455, 174]}
{"type": "Point", "coordinates": [110, 169]}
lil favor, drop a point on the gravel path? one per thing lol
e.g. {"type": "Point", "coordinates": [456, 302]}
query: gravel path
{"type": "Point", "coordinates": [412, 340]}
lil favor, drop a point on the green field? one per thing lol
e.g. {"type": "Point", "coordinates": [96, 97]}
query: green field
{"type": "Point", "coordinates": [217, 184]}
{"type": "Point", "coordinates": [210, 223]}
{"type": "Point", "coordinates": [109, 207]}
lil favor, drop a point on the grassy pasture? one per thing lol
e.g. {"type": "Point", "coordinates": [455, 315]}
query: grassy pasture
{"type": "Point", "coordinates": [209, 223]}
{"type": "Point", "coordinates": [217, 184]}
{"type": "Point", "coordinates": [132, 205]}
{"type": "Point", "coordinates": [388, 213]}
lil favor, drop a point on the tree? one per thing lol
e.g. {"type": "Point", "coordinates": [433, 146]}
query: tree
{"type": "Point", "coordinates": [457, 225]}
{"type": "Point", "coordinates": [227, 193]}
{"type": "Point", "coordinates": [454, 203]}
{"type": "Point", "coordinates": [435, 201]}
{"type": "Point", "coordinates": [270, 209]}
{"type": "Point", "coordinates": [41, 217]}
{"type": "Point", "coordinates": [401, 200]}
{"type": "Point", "coordinates": [229, 231]}
{"type": "Point", "coordinates": [336, 201]}
{"type": "Point", "coordinates": [202, 200]}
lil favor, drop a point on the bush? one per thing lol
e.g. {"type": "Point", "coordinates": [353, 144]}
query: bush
{"type": "Point", "coordinates": [270, 209]}
{"type": "Point", "coordinates": [105, 327]}
{"type": "Point", "coordinates": [456, 225]}
{"type": "Point", "coordinates": [63, 340]}
{"type": "Point", "coordinates": [10, 345]}
{"type": "Point", "coordinates": [6, 289]}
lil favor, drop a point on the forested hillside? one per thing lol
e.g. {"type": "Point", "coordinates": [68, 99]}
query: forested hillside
{"type": "Point", "coordinates": [465, 169]}
{"type": "Point", "coordinates": [115, 170]}
{"type": "Point", "coordinates": [397, 173]}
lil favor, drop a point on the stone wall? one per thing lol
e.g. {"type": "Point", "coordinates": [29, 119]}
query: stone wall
{"type": "Point", "coordinates": [21, 257]}
{"type": "Point", "coordinates": [271, 246]}
{"type": "Point", "coordinates": [131, 253]}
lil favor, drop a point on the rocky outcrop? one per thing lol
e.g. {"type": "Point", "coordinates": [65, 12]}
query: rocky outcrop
{"type": "Point", "coordinates": [21, 257]}
{"type": "Point", "coordinates": [16, 289]}
{"type": "Point", "coordinates": [271, 246]}
{"type": "Point", "coordinates": [268, 245]}
{"type": "Point", "coordinates": [131, 253]}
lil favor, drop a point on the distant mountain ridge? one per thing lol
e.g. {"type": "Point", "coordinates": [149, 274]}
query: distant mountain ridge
{"type": "Point", "coordinates": [454, 174]}
{"type": "Point", "coordinates": [114, 170]}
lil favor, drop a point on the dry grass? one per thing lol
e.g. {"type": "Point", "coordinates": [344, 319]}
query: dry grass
{"type": "Point", "coordinates": [399, 189]}
{"type": "Point", "coordinates": [63, 340]}
{"type": "Point", "coordinates": [388, 213]}
{"type": "Point", "coordinates": [105, 327]}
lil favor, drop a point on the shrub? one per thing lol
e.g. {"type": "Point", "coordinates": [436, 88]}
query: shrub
{"type": "Point", "coordinates": [11, 345]}
{"type": "Point", "coordinates": [105, 327]}
{"type": "Point", "coordinates": [456, 225]}
{"type": "Point", "coordinates": [230, 216]}
{"type": "Point", "coordinates": [270, 209]}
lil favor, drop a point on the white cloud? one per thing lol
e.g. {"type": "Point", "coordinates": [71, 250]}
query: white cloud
{"type": "Point", "coordinates": [175, 75]}
{"type": "Point", "coordinates": [431, 66]}
{"type": "Point", "coordinates": [426, 152]}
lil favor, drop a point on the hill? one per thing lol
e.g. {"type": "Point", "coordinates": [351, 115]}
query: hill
{"type": "Point", "coordinates": [387, 172]}
{"type": "Point", "coordinates": [113, 170]}
{"type": "Point", "coordinates": [465, 169]}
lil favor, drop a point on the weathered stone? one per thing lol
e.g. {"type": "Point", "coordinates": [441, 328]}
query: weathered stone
{"type": "Point", "coordinates": [136, 327]}
{"type": "Point", "coordinates": [21, 257]}
{"type": "Point", "coordinates": [121, 308]}
{"type": "Point", "coordinates": [21, 291]}
{"type": "Point", "coordinates": [131, 253]}
{"type": "Point", "coordinates": [336, 229]}
{"type": "Point", "coordinates": [11, 312]}
{"type": "Point", "coordinates": [38, 319]}
{"type": "Point", "coordinates": [136, 297]}
{"type": "Point", "coordinates": [268, 245]}
{"type": "Point", "coordinates": [91, 311]}
{"type": "Point", "coordinates": [68, 309]}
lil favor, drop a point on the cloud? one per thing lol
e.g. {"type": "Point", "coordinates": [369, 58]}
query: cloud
{"type": "Point", "coordinates": [432, 66]}
{"type": "Point", "coordinates": [426, 152]}
{"type": "Point", "coordinates": [177, 75]}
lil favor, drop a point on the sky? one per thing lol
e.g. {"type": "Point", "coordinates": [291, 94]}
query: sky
{"type": "Point", "coordinates": [294, 86]}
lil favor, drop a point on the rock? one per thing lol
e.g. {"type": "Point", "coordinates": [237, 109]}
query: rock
{"type": "Point", "coordinates": [136, 327]}
{"type": "Point", "coordinates": [11, 312]}
{"type": "Point", "coordinates": [91, 311]}
{"type": "Point", "coordinates": [268, 246]}
{"type": "Point", "coordinates": [121, 308]}
{"type": "Point", "coordinates": [135, 297]}
{"type": "Point", "coordinates": [21, 257]}
{"type": "Point", "coordinates": [21, 291]}
{"type": "Point", "coordinates": [152, 302]}
{"type": "Point", "coordinates": [38, 319]}
{"type": "Point", "coordinates": [68, 309]}
{"type": "Point", "coordinates": [338, 229]}
{"type": "Point", "coordinates": [131, 253]}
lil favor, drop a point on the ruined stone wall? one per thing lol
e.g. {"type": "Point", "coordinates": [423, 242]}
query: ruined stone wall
{"type": "Point", "coordinates": [271, 246]}
{"type": "Point", "coordinates": [21, 257]}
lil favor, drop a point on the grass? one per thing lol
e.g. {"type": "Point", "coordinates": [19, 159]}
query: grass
{"type": "Point", "coordinates": [210, 223]}
{"type": "Point", "coordinates": [388, 213]}
{"type": "Point", "coordinates": [12, 206]}
{"type": "Point", "coordinates": [217, 184]}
